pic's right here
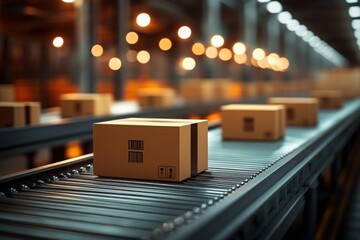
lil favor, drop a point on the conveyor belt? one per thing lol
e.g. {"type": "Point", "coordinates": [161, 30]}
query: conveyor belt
{"type": "Point", "coordinates": [250, 189]}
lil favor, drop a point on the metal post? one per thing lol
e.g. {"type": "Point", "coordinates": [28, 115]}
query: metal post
{"type": "Point", "coordinates": [5, 68]}
{"type": "Point", "coordinates": [123, 16]}
{"type": "Point", "coordinates": [210, 25]}
{"type": "Point", "coordinates": [250, 33]}
{"type": "Point", "coordinates": [83, 46]}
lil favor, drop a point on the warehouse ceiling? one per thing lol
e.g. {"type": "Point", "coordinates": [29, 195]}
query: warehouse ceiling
{"type": "Point", "coordinates": [328, 19]}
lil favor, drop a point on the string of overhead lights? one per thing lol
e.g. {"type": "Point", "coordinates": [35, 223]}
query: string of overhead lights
{"type": "Point", "coordinates": [354, 12]}
{"type": "Point", "coordinates": [293, 25]}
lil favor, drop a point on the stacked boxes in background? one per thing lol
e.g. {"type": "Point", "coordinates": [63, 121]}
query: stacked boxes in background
{"type": "Point", "coordinates": [211, 89]}
{"type": "Point", "coordinates": [328, 98]}
{"type": "Point", "coordinates": [7, 93]}
{"type": "Point", "coordinates": [299, 111]}
{"type": "Point", "coordinates": [18, 114]}
{"type": "Point", "coordinates": [345, 80]}
{"type": "Point", "coordinates": [151, 149]}
{"type": "Point", "coordinates": [197, 90]}
{"type": "Point", "coordinates": [252, 122]}
{"type": "Point", "coordinates": [85, 104]}
{"type": "Point", "coordinates": [156, 97]}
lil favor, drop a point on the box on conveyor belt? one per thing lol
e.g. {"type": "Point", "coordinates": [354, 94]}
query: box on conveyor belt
{"type": "Point", "coordinates": [299, 111]}
{"type": "Point", "coordinates": [18, 114]}
{"type": "Point", "coordinates": [156, 97]}
{"type": "Point", "coordinates": [85, 104]}
{"type": "Point", "coordinates": [150, 149]}
{"type": "Point", "coordinates": [328, 98]}
{"type": "Point", "coordinates": [252, 122]}
{"type": "Point", "coordinates": [7, 93]}
{"type": "Point", "coordinates": [221, 88]}
{"type": "Point", "coordinates": [345, 80]}
{"type": "Point", "coordinates": [197, 90]}
{"type": "Point", "coordinates": [252, 89]}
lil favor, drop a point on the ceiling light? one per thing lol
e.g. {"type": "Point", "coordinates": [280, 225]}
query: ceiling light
{"type": "Point", "coordinates": [284, 17]}
{"type": "Point", "coordinates": [354, 11]}
{"type": "Point", "coordinates": [301, 31]}
{"type": "Point", "coordinates": [217, 41]}
{"type": "Point", "coordinates": [263, 1]}
{"type": "Point", "coordinates": [351, 1]}
{"type": "Point", "coordinates": [293, 25]}
{"type": "Point", "coordinates": [357, 33]}
{"type": "Point", "coordinates": [355, 23]}
{"type": "Point", "coordinates": [184, 32]}
{"type": "Point", "coordinates": [143, 19]}
{"type": "Point", "coordinates": [274, 7]}
{"type": "Point", "coordinates": [308, 35]}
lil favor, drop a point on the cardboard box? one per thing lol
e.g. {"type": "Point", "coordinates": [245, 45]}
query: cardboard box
{"type": "Point", "coordinates": [328, 98]}
{"type": "Point", "coordinates": [19, 114]}
{"type": "Point", "coordinates": [197, 90]}
{"type": "Point", "coordinates": [346, 80]}
{"type": "Point", "coordinates": [85, 104]}
{"type": "Point", "coordinates": [12, 114]}
{"type": "Point", "coordinates": [151, 149]}
{"type": "Point", "coordinates": [7, 93]}
{"type": "Point", "coordinates": [221, 88]}
{"type": "Point", "coordinates": [299, 111]}
{"type": "Point", "coordinates": [156, 97]}
{"type": "Point", "coordinates": [32, 112]}
{"type": "Point", "coordinates": [252, 122]}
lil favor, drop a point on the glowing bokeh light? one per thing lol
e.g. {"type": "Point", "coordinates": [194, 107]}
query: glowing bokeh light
{"type": "Point", "coordinates": [143, 57]}
{"type": "Point", "coordinates": [217, 41]}
{"type": "Point", "coordinates": [114, 63]}
{"type": "Point", "coordinates": [184, 32]}
{"type": "Point", "coordinates": [58, 42]}
{"type": "Point", "coordinates": [132, 37]}
{"type": "Point", "coordinates": [198, 49]}
{"type": "Point", "coordinates": [143, 19]}
{"type": "Point", "coordinates": [211, 52]}
{"type": "Point", "coordinates": [188, 63]}
{"type": "Point", "coordinates": [165, 44]}
{"type": "Point", "coordinates": [97, 50]}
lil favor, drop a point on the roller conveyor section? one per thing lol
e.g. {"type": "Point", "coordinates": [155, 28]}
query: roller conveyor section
{"type": "Point", "coordinates": [251, 190]}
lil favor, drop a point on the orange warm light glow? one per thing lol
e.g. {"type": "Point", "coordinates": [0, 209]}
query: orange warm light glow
{"type": "Point", "coordinates": [258, 54]}
{"type": "Point", "coordinates": [73, 149]}
{"type": "Point", "coordinates": [225, 54]}
{"type": "Point", "coordinates": [97, 50]}
{"type": "Point", "coordinates": [239, 48]}
{"type": "Point", "coordinates": [58, 42]}
{"type": "Point", "coordinates": [211, 52]}
{"type": "Point", "coordinates": [143, 57]}
{"type": "Point", "coordinates": [198, 49]}
{"type": "Point", "coordinates": [132, 37]}
{"type": "Point", "coordinates": [188, 63]}
{"type": "Point", "coordinates": [213, 116]}
{"type": "Point", "coordinates": [165, 44]}
{"type": "Point", "coordinates": [240, 59]}
{"type": "Point", "coordinates": [283, 64]}
{"type": "Point", "coordinates": [115, 63]}
{"type": "Point", "coordinates": [273, 58]}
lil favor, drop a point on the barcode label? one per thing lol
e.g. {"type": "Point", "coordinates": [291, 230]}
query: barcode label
{"type": "Point", "coordinates": [135, 157]}
{"type": "Point", "coordinates": [136, 144]}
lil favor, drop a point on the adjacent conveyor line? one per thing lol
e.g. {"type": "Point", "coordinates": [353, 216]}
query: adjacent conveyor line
{"type": "Point", "coordinates": [270, 178]}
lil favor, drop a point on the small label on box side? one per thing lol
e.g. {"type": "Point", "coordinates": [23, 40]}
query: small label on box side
{"type": "Point", "coordinates": [167, 172]}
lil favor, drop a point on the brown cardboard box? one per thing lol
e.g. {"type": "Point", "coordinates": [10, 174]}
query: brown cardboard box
{"type": "Point", "coordinates": [85, 104]}
{"type": "Point", "coordinates": [32, 112]}
{"type": "Point", "coordinates": [197, 90]}
{"type": "Point", "coordinates": [18, 114]}
{"type": "Point", "coordinates": [252, 122]}
{"type": "Point", "coordinates": [7, 93]}
{"type": "Point", "coordinates": [156, 97]}
{"type": "Point", "coordinates": [12, 114]}
{"type": "Point", "coordinates": [299, 111]}
{"type": "Point", "coordinates": [328, 98]}
{"type": "Point", "coordinates": [199, 140]}
{"type": "Point", "coordinates": [146, 149]}
{"type": "Point", "coordinates": [346, 80]}
{"type": "Point", "coordinates": [221, 88]}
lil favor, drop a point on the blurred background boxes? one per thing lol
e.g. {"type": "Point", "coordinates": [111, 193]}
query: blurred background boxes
{"type": "Point", "coordinates": [328, 98]}
{"type": "Point", "coordinates": [85, 104]}
{"type": "Point", "coordinates": [19, 114]}
{"type": "Point", "coordinates": [156, 97]}
{"type": "Point", "coordinates": [7, 93]}
{"type": "Point", "coordinates": [252, 122]}
{"type": "Point", "coordinates": [299, 111]}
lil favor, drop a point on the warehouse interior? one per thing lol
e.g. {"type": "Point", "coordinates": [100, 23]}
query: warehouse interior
{"type": "Point", "coordinates": [179, 119]}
